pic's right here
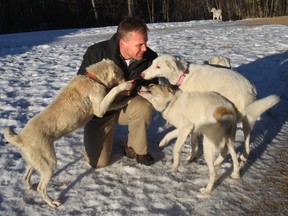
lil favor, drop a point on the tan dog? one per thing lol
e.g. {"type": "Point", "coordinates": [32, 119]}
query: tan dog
{"type": "Point", "coordinates": [83, 97]}
{"type": "Point", "coordinates": [194, 113]}
{"type": "Point", "coordinates": [217, 13]}
{"type": "Point", "coordinates": [228, 83]}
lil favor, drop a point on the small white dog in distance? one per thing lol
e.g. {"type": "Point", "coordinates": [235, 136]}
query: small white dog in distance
{"type": "Point", "coordinates": [220, 61]}
{"type": "Point", "coordinates": [83, 97]}
{"type": "Point", "coordinates": [228, 83]}
{"type": "Point", "coordinates": [194, 113]}
{"type": "Point", "coordinates": [217, 13]}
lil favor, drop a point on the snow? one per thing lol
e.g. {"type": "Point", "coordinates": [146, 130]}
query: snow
{"type": "Point", "coordinates": [35, 65]}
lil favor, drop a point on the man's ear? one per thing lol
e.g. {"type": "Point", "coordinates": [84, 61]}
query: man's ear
{"type": "Point", "coordinates": [121, 42]}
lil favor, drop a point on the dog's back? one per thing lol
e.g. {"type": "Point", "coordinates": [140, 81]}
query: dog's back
{"type": "Point", "coordinates": [209, 78]}
{"type": "Point", "coordinates": [203, 109]}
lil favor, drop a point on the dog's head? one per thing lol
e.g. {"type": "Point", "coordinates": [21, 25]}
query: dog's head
{"type": "Point", "coordinates": [220, 61]}
{"type": "Point", "coordinates": [158, 95]}
{"type": "Point", "coordinates": [164, 66]}
{"type": "Point", "coordinates": [213, 9]}
{"type": "Point", "coordinates": [107, 72]}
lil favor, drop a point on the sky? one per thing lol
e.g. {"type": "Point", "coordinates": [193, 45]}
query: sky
{"type": "Point", "coordinates": [36, 65]}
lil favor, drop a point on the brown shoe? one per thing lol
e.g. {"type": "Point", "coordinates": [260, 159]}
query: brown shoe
{"type": "Point", "coordinates": [146, 159]}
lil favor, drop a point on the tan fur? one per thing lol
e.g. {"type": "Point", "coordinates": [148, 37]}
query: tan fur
{"type": "Point", "coordinates": [220, 112]}
{"type": "Point", "coordinates": [195, 113]}
{"type": "Point", "coordinates": [230, 84]}
{"type": "Point", "coordinates": [76, 104]}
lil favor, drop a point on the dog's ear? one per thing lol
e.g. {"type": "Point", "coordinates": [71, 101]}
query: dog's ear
{"type": "Point", "coordinates": [169, 65]}
{"type": "Point", "coordinates": [181, 63]}
{"type": "Point", "coordinates": [170, 88]}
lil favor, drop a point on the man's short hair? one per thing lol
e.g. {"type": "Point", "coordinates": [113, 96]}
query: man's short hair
{"type": "Point", "coordinates": [129, 24]}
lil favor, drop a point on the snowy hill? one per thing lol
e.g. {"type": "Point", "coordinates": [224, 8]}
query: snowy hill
{"type": "Point", "coordinates": [34, 66]}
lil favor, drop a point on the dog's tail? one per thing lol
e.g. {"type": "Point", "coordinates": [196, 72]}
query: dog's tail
{"type": "Point", "coordinates": [255, 109]}
{"type": "Point", "coordinates": [12, 137]}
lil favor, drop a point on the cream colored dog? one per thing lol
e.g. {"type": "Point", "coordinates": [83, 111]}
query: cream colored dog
{"type": "Point", "coordinates": [194, 113]}
{"type": "Point", "coordinates": [217, 13]}
{"type": "Point", "coordinates": [83, 97]}
{"type": "Point", "coordinates": [228, 83]}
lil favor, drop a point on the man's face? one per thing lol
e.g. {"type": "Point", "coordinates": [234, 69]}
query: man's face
{"type": "Point", "coordinates": [133, 46]}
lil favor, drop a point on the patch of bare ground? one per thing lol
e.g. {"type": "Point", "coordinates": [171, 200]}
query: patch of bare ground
{"type": "Point", "coordinates": [275, 188]}
{"type": "Point", "coordinates": [281, 20]}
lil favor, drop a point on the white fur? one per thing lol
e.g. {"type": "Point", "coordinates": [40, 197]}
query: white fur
{"type": "Point", "coordinates": [194, 113]}
{"type": "Point", "coordinates": [226, 82]}
{"type": "Point", "coordinates": [217, 13]}
{"type": "Point", "coordinates": [76, 104]}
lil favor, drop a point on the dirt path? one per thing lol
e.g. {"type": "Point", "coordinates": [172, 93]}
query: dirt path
{"type": "Point", "coordinates": [282, 20]}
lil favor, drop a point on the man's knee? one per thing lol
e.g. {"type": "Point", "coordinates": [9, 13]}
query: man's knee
{"type": "Point", "coordinates": [139, 107]}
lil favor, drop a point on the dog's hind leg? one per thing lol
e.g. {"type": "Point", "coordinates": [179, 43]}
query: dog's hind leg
{"type": "Point", "coordinates": [221, 156]}
{"type": "Point", "coordinates": [209, 151]}
{"type": "Point", "coordinates": [236, 167]}
{"type": "Point", "coordinates": [46, 167]}
{"type": "Point", "coordinates": [246, 130]}
{"type": "Point", "coordinates": [27, 177]}
{"type": "Point", "coordinates": [42, 188]}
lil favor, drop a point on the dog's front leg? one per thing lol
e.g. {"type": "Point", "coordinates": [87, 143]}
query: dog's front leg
{"type": "Point", "coordinates": [168, 137]}
{"type": "Point", "coordinates": [118, 105]}
{"type": "Point", "coordinates": [101, 109]}
{"type": "Point", "coordinates": [183, 134]}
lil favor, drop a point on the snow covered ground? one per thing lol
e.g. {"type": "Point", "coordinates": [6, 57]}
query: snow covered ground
{"type": "Point", "coordinates": [34, 66]}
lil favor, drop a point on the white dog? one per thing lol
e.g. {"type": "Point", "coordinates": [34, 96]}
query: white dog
{"type": "Point", "coordinates": [220, 61]}
{"type": "Point", "coordinates": [194, 113]}
{"type": "Point", "coordinates": [83, 97]}
{"type": "Point", "coordinates": [228, 83]}
{"type": "Point", "coordinates": [217, 13]}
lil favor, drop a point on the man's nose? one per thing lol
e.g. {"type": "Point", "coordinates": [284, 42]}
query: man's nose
{"type": "Point", "coordinates": [144, 47]}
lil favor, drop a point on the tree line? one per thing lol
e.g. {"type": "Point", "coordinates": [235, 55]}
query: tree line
{"type": "Point", "coordinates": [31, 15]}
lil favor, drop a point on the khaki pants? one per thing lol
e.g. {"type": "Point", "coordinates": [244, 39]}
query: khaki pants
{"type": "Point", "coordinates": [99, 132]}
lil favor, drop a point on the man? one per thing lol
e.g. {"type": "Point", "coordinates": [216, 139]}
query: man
{"type": "Point", "coordinates": [128, 49]}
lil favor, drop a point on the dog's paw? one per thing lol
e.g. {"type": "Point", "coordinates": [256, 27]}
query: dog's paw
{"type": "Point", "coordinates": [190, 158]}
{"type": "Point", "coordinates": [174, 169]}
{"type": "Point", "coordinates": [235, 175]}
{"type": "Point", "coordinates": [243, 158]}
{"type": "Point", "coordinates": [54, 204]}
{"type": "Point", "coordinates": [204, 191]}
{"type": "Point", "coordinates": [125, 86]}
{"type": "Point", "coordinates": [162, 144]}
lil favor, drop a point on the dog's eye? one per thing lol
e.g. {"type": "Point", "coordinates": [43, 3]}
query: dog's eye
{"type": "Point", "coordinates": [157, 67]}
